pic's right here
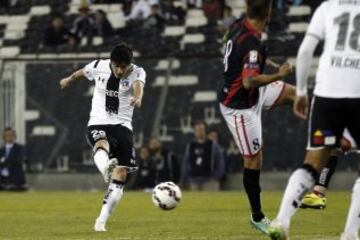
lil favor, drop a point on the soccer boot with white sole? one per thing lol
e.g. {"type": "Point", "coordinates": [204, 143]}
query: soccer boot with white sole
{"type": "Point", "coordinates": [99, 225]}
{"type": "Point", "coordinates": [347, 236]}
{"type": "Point", "coordinates": [262, 225]}
{"type": "Point", "coordinates": [277, 231]}
{"type": "Point", "coordinates": [109, 167]}
{"type": "Point", "coordinates": [311, 200]}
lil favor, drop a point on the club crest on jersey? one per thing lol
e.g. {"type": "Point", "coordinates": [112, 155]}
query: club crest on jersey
{"type": "Point", "coordinates": [253, 56]}
{"type": "Point", "coordinates": [125, 83]}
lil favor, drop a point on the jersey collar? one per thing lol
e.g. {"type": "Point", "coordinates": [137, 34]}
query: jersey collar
{"type": "Point", "coordinates": [250, 27]}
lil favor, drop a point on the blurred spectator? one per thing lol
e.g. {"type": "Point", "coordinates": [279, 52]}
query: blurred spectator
{"type": "Point", "coordinates": [281, 4]}
{"type": "Point", "coordinates": [103, 26]}
{"type": "Point", "coordinates": [203, 163]}
{"type": "Point", "coordinates": [84, 25]}
{"type": "Point", "coordinates": [57, 34]}
{"type": "Point", "coordinates": [145, 178]}
{"type": "Point", "coordinates": [155, 20]}
{"type": "Point", "coordinates": [232, 158]}
{"type": "Point", "coordinates": [140, 11]}
{"type": "Point", "coordinates": [213, 9]}
{"type": "Point", "coordinates": [227, 20]}
{"type": "Point", "coordinates": [172, 14]}
{"type": "Point", "coordinates": [12, 160]}
{"type": "Point", "coordinates": [214, 135]}
{"type": "Point", "coordinates": [166, 165]}
{"type": "Point", "coordinates": [194, 3]}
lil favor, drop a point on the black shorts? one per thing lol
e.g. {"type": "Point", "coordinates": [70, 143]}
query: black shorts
{"type": "Point", "coordinates": [329, 117]}
{"type": "Point", "coordinates": [120, 139]}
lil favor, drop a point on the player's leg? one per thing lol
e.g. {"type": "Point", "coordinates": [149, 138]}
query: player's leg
{"type": "Point", "coordinates": [245, 126]}
{"type": "Point", "coordinates": [97, 136]}
{"type": "Point", "coordinates": [251, 182]}
{"type": "Point", "coordinates": [352, 226]}
{"type": "Point", "coordinates": [317, 198]}
{"type": "Point", "coordinates": [279, 93]}
{"type": "Point", "coordinates": [327, 121]}
{"type": "Point", "coordinates": [125, 156]}
{"type": "Point", "coordinates": [112, 197]}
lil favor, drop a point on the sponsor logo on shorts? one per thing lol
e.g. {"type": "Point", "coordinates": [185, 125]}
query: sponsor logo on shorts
{"type": "Point", "coordinates": [318, 137]}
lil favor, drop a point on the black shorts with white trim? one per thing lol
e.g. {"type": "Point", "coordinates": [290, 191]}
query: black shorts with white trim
{"type": "Point", "coordinates": [329, 117]}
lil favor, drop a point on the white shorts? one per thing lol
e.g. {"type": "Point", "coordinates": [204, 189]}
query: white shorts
{"type": "Point", "coordinates": [245, 124]}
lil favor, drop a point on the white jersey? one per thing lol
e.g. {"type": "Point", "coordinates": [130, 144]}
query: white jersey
{"type": "Point", "coordinates": [338, 23]}
{"type": "Point", "coordinates": [99, 71]}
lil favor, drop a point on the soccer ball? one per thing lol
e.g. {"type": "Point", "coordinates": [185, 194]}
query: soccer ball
{"type": "Point", "coordinates": [166, 195]}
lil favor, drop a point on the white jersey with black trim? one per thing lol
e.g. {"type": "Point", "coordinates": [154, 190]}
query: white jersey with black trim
{"type": "Point", "coordinates": [338, 23]}
{"type": "Point", "coordinates": [99, 71]}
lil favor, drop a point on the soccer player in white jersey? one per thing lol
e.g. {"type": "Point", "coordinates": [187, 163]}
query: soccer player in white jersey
{"type": "Point", "coordinates": [335, 106]}
{"type": "Point", "coordinates": [118, 89]}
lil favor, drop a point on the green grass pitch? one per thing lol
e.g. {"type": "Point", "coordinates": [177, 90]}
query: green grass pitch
{"type": "Point", "coordinates": [200, 216]}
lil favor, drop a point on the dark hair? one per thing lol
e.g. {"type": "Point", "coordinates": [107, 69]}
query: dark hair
{"type": "Point", "coordinates": [227, 7]}
{"type": "Point", "coordinates": [258, 9]}
{"type": "Point", "coordinates": [200, 122]}
{"type": "Point", "coordinates": [8, 129]}
{"type": "Point", "coordinates": [122, 53]}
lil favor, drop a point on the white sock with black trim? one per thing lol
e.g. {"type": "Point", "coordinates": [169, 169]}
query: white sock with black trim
{"type": "Point", "coordinates": [111, 199]}
{"type": "Point", "coordinates": [101, 157]}
{"type": "Point", "coordinates": [300, 182]}
{"type": "Point", "coordinates": [352, 226]}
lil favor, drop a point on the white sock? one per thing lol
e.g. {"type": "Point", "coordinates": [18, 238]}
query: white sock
{"type": "Point", "coordinates": [111, 199]}
{"type": "Point", "coordinates": [100, 158]}
{"type": "Point", "coordinates": [300, 182]}
{"type": "Point", "coordinates": [352, 226]}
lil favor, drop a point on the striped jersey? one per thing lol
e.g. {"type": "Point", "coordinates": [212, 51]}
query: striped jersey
{"type": "Point", "coordinates": [245, 56]}
{"type": "Point", "coordinates": [100, 72]}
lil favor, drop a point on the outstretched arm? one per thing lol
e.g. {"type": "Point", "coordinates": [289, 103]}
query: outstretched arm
{"type": "Point", "coordinates": [65, 82]}
{"type": "Point", "coordinates": [256, 80]}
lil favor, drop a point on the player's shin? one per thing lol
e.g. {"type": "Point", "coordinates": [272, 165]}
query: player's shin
{"type": "Point", "coordinates": [353, 219]}
{"type": "Point", "coordinates": [325, 176]}
{"type": "Point", "coordinates": [111, 199]}
{"type": "Point", "coordinates": [300, 182]}
{"type": "Point", "coordinates": [251, 181]}
{"type": "Point", "coordinates": [101, 157]}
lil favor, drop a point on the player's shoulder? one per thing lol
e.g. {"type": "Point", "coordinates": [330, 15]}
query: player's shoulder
{"type": "Point", "coordinates": [137, 73]}
{"type": "Point", "coordinates": [99, 64]}
{"type": "Point", "coordinates": [136, 70]}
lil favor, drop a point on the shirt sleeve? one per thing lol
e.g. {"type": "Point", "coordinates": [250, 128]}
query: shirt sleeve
{"type": "Point", "coordinates": [89, 69]}
{"type": "Point", "coordinates": [140, 75]}
{"type": "Point", "coordinates": [316, 27]}
{"type": "Point", "coordinates": [253, 61]}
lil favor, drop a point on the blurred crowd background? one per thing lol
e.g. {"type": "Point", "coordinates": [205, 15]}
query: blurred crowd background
{"type": "Point", "coordinates": [179, 44]}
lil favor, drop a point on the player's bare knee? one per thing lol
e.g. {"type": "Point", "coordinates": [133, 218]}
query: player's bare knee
{"type": "Point", "coordinates": [101, 144]}
{"type": "Point", "coordinates": [253, 162]}
{"type": "Point", "coordinates": [317, 158]}
{"type": "Point", "coordinates": [288, 96]}
{"type": "Point", "coordinates": [119, 173]}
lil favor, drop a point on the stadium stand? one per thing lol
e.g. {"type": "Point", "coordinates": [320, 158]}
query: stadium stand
{"type": "Point", "coordinates": [183, 64]}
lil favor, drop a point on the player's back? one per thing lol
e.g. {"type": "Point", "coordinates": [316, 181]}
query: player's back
{"type": "Point", "coordinates": [244, 55]}
{"type": "Point", "coordinates": [338, 23]}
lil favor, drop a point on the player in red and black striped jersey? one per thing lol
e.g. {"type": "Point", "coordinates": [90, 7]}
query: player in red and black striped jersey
{"type": "Point", "coordinates": [246, 90]}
